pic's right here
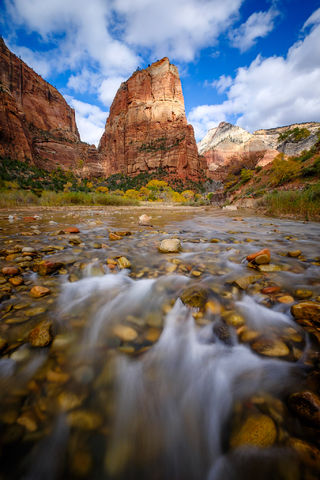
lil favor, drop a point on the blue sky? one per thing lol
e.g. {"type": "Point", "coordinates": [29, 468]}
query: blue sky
{"type": "Point", "coordinates": [252, 63]}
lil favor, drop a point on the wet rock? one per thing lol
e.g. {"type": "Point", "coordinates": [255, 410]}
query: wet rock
{"type": "Point", "coordinates": [303, 294]}
{"type": "Point", "coordinates": [307, 406]}
{"type": "Point", "coordinates": [152, 334]}
{"type": "Point", "coordinates": [270, 290]}
{"type": "Point", "coordinates": [16, 281]}
{"type": "Point", "coordinates": [38, 291]}
{"type": "Point", "coordinates": [74, 240]}
{"type": "Point", "coordinates": [125, 233]}
{"type": "Point", "coordinates": [123, 263]}
{"type": "Point", "coordinates": [114, 236]}
{"type": "Point", "coordinates": [213, 307]}
{"type": "Point", "coordinates": [309, 454]}
{"type": "Point", "coordinates": [257, 431]}
{"type": "Point", "coordinates": [28, 420]}
{"type": "Point", "coordinates": [195, 297]}
{"type": "Point", "coordinates": [46, 267]}
{"type": "Point", "coordinates": [69, 400]}
{"type": "Point", "coordinates": [270, 347]}
{"type": "Point", "coordinates": [269, 268]}
{"type": "Point", "coordinates": [3, 343]}
{"type": "Point", "coordinates": [214, 240]}
{"type": "Point", "coordinates": [28, 250]}
{"type": "Point", "coordinates": [40, 336]}
{"type": "Point", "coordinates": [33, 312]}
{"type": "Point", "coordinates": [55, 376]}
{"type": "Point", "coordinates": [234, 319]}
{"type": "Point", "coordinates": [306, 311]}
{"type": "Point", "coordinates": [145, 220]}
{"type": "Point", "coordinates": [294, 253]}
{"type": "Point", "coordinates": [84, 420]}
{"type": "Point", "coordinates": [170, 245]}
{"type": "Point", "coordinates": [71, 230]}
{"type": "Point", "coordinates": [245, 282]}
{"type": "Point", "coordinates": [285, 299]}
{"type": "Point", "coordinates": [260, 258]}
{"type": "Point", "coordinates": [10, 271]}
{"type": "Point", "coordinates": [125, 333]}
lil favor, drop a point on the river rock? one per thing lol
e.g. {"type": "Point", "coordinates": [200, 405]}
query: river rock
{"type": "Point", "coordinates": [260, 258]}
{"type": "Point", "coordinates": [303, 294]}
{"type": "Point", "coordinates": [307, 406]}
{"type": "Point", "coordinates": [306, 311]}
{"type": "Point", "coordinates": [71, 230]}
{"type": "Point", "coordinates": [270, 347]}
{"type": "Point", "coordinates": [46, 267]}
{"type": "Point", "coordinates": [16, 281]}
{"type": "Point", "coordinates": [28, 420]}
{"type": "Point", "coordinates": [28, 250]}
{"type": "Point", "coordinates": [145, 220]}
{"type": "Point", "coordinates": [270, 290]}
{"type": "Point", "coordinates": [234, 319]}
{"type": "Point", "coordinates": [55, 376]}
{"type": "Point", "coordinates": [309, 454]}
{"type": "Point", "coordinates": [195, 297]}
{"type": "Point", "coordinates": [285, 299]}
{"type": "Point", "coordinates": [114, 236]}
{"type": "Point", "coordinates": [257, 431]}
{"type": "Point", "coordinates": [245, 282]}
{"type": "Point", "coordinates": [38, 291]}
{"type": "Point", "coordinates": [125, 333]}
{"type": "Point", "coordinates": [84, 420]}
{"type": "Point", "coordinates": [10, 271]}
{"type": "Point", "coordinates": [294, 253]}
{"type": "Point", "coordinates": [170, 245]}
{"type": "Point", "coordinates": [123, 263]}
{"type": "Point", "coordinates": [40, 336]}
{"type": "Point", "coordinates": [269, 268]}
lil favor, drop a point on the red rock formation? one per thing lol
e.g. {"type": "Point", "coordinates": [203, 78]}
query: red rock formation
{"type": "Point", "coordinates": [36, 123]}
{"type": "Point", "coordinates": [147, 127]}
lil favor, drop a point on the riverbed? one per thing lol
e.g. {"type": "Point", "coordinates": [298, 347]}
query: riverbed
{"type": "Point", "coordinates": [119, 361]}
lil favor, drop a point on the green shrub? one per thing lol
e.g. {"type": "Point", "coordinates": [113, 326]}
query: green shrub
{"type": "Point", "coordinates": [15, 198]}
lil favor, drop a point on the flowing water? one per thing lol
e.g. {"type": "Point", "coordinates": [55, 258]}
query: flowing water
{"type": "Point", "coordinates": [179, 367]}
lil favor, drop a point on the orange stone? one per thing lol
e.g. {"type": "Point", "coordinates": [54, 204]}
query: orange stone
{"type": "Point", "coordinates": [10, 271]}
{"type": "Point", "coordinates": [253, 256]}
{"type": "Point", "coordinates": [72, 230]}
{"type": "Point", "coordinates": [270, 290]}
{"type": "Point", "coordinates": [16, 281]}
{"type": "Point", "coordinates": [38, 291]}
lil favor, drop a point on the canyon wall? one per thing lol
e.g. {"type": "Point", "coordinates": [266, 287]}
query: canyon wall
{"type": "Point", "coordinates": [147, 127]}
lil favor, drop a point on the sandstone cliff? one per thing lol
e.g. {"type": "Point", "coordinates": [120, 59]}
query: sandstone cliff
{"type": "Point", "coordinates": [228, 146]}
{"type": "Point", "coordinates": [147, 127]}
{"type": "Point", "coordinates": [36, 123]}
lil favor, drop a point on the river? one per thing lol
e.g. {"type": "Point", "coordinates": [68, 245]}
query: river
{"type": "Point", "coordinates": [130, 363]}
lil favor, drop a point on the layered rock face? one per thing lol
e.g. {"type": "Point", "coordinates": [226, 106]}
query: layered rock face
{"type": "Point", "coordinates": [36, 123]}
{"type": "Point", "coordinates": [147, 127]}
{"type": "Point", "coordinates": [228, 146]}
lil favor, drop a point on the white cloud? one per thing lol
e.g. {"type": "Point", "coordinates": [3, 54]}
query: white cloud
{"type": "Point", "coordinates": [178, 28]}
{"type": "Point", "coordinates": [108, 89]}
{"type": "Point", "coordinates": [271, 92]}
{"type": "Point", "coordinates": [90, 120]}
{"type": "Point", "coordinates": [34, 59]}
{"type": "Point", "coordinates": [85, 81]}
{"type": "Point", "coordinates": [223, 83]}
{"type": "Point", "coordinates": [258, 25]}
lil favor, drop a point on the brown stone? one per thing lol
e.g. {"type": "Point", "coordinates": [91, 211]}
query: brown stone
{"type": "Point", "coordinates": [260, 258]}
{"type": "Point", "coordinates": [257, 431]}
{"type": "Point", "coordinates": [38, 291]}
{"type": "Point", "coordinates": [306, 311]}
{"type": "Point", "coordinates": [270, 290]}
{"type": "Point", "coordinates": [10, 271]}
{"type": "Point", "coordinates": [114, 236]}
{"type": "Point", "coordinates": [46, 267]}
{"type": "Point", "coordinates": [40, 336]}
{"type": "Point", "coordinates": [16, 281]}
{"type": "Point", "coordinates": [307, 406]}
{"type": "Point", "coordinates": [72, 230]}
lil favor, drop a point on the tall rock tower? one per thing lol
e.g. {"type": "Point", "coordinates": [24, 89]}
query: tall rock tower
{"type": "Point", "coordinates": [147, 127]}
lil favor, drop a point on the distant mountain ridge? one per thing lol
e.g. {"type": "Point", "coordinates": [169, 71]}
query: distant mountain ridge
{"type": "Point", "coordinates": [227, 143]}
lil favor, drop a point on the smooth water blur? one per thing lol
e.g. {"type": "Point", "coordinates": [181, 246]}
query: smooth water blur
{"type": "Point", "coordinates": [136, 384]}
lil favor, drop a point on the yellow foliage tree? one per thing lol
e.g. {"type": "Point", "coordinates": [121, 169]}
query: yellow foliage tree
{"type": "Point", "coordinates": [188, 194]}
{"type": "Point", "coordinates": [144, 193]}
{"type": "Point", "coordinates": [102, 189]}
{"type": "Point", "coordinates": [131, 193]}
{"type": "Point", "coordinates": [157, 184]}
{"type": "Point", "coordinates": [67, 186]}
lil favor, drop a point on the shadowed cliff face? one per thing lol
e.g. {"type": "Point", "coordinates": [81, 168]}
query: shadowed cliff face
{"type": "Point", "coordinates": [36, 123]}
{"type": "Point", "coordinates": [147, 127]}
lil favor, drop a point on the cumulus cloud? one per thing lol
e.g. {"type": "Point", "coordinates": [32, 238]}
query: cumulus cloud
{"type": "Point", "coordinates": [34, 59]}
{"type": "Point", "coordinates": [90, 120]}
{"type": "Point", "coordinates": [271, 91]}
{"type": "Point", "coordinates": [258, 25]}
{"type": "Point", "coordinates": [108, 89]}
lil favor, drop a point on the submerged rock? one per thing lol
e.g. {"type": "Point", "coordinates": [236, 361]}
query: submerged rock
{"type": "Point", "coordinates": [71, 230]}
{"type": "Point", "coordinates": [306, 311]}
{"type": "Point", "coordinates": [307, 406]}
{"type": "Point", "coordinates": [125, 333]}
{"type": "Point", "coordinates": [40, 336]}
{"type": "Point", "coordinates": [16, 281]}
{"type": "Point", "coordinates": [46, 267]}
{"type": "Point", "coordinates": [10, 271]}
{"type": "Point", "coordinates": [170, 245]}
{"type": "Point", "coordinates": [257, 431]}
{"type": "Point", "coordinates": [38, 291]}
{"type": "Point", "coordinates": [309, 454]}
{"type": "Point", "coordinates": [271, 347]}
{"type": "Point", "coordinates": [195, 296]}
{"type": "Point", "coordinates": [145, 220]}
{"type": "Point", "coordinates": [84, 420]}
{"type": "Point", "coordinates": [123, 263]}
